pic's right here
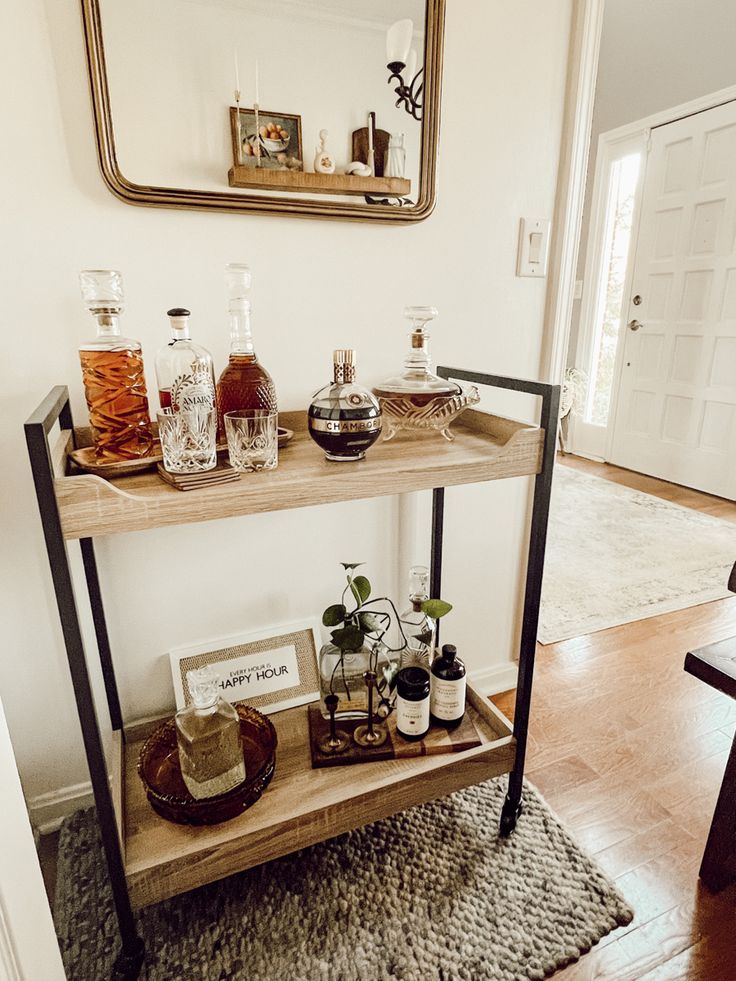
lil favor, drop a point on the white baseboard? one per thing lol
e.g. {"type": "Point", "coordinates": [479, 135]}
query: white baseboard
{"type": "Point", "coordinates": [500, 677]}
{"type": "Point", "coordinates": [47, 811]}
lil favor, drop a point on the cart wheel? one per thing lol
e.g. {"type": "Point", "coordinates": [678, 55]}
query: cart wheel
{"type": "Point", "coordinates": [510, 814]}
{"type": "Point", "coordinates": [128, 964]}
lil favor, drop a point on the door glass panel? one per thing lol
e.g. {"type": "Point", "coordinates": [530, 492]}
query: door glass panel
{"type": "Point", "coordinates": [617, 241]}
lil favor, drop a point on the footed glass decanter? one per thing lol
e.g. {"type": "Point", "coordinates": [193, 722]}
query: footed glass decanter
{"type": "Point", "coordinates": [417, 399]}
{"type": "Point", "coordinates": [208, 736]}
{"type": "Point", "coordinates": [418, 628]}
{"type": "Point", "coordinates": [112, 369]}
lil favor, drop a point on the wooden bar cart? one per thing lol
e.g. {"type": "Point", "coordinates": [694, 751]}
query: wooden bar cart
{"type": "Point", "coordinates": [150, 859]}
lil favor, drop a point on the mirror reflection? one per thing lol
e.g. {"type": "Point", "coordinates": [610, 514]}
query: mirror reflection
{"type": "Point", "coordinates": [253, 97]}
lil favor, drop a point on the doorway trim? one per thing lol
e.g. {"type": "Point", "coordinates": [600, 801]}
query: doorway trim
{"type": "Point", "coordinates": [631, 135]}
{"type": "Point", "coordinates": [585, 39]}
{"type": "Point", "coordinates": [585, 42]}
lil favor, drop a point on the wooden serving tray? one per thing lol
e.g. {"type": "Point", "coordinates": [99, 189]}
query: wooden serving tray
{"type": "Point", "coordinates": [85, 459]}
{"type": "Point", "coordinates": [438, 740]}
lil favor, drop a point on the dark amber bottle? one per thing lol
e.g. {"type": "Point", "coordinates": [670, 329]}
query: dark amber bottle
{"type": "Point", "coordinates": [245, 383]}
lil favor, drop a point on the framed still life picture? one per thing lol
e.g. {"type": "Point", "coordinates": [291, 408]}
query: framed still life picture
{"type": "Point", "coordinates": [278, 138]}
{"type": "Point", "coordinates": [271, 670]}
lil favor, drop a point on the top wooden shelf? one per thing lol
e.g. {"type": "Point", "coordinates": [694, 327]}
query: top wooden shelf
{"type": "Point", "coordinates": [300, 182]}
{"type": "Point", "coordinates": [486, 447]}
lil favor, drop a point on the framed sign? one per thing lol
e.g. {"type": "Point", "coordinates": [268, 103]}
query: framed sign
{"type": "Point", "coordinates": [271, 670]}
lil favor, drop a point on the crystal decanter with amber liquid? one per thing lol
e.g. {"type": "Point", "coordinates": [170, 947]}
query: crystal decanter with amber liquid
{"type": "Point", "coordinates": [112, 370]}
{"type": "Point", "coordinates": [416, 399]}
{"type": "Point", "coordinates": [245, 383]}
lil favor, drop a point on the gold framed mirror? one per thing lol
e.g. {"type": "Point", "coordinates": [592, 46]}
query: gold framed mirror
{"type": "Point", "coordinates": [270, 107]}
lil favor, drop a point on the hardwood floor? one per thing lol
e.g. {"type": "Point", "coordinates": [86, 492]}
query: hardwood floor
{"type": "Point", "coordinates": [630, 752]}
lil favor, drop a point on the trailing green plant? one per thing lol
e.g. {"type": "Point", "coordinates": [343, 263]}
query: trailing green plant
{"type": "Point", "coordinates": [364, 619]}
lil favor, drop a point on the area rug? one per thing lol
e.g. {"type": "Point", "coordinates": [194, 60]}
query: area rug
{"type": "Point", "coordinates": [616, 555]}
{"type": "Point", "coordinates": [432, 894]}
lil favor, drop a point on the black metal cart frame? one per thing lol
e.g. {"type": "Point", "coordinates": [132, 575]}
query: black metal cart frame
{"type": "Point", "coordinates": [55, 408]}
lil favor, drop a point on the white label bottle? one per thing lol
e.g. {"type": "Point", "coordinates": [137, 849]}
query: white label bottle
{"type": "Point", "coordinates": [184, 370]}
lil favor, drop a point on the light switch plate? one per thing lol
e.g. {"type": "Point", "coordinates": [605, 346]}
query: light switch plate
{"type": "Point", "coordinates": [533, 247]}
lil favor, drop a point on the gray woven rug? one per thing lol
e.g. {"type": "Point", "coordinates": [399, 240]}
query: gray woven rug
{"type": "Point", "coordinates": [429, 895]}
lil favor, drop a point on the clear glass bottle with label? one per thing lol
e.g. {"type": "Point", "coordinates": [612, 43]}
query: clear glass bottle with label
{"type": "Point", "coordinates": [447, 698]}
{"type": "Point", "coordinates": [208, 736]}
{"type": "Point", "coordinates": [418, 628]}
{"type": "Point", "coordinates": [344, 418]}
{"type": "Point", "coordinates": [184, 370]}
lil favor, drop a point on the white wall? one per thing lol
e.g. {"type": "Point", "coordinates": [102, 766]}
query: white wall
{"type": "Point", "coordinates": [655, 55]}
{"type": "Point", "coordinates": [317, 285]}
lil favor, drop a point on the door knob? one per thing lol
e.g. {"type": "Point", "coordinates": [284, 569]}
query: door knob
{"type": "Point", "coordinates": [634, 325]}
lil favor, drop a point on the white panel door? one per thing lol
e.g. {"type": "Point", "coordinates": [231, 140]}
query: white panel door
{"type": "Point", "coordinates": [675, 413]}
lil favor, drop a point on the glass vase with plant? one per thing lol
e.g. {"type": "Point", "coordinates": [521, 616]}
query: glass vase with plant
{"type": "Point", "coordinates": [360, 627]}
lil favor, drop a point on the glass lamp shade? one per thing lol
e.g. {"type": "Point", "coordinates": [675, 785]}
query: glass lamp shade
{"type": "Point", "coordinates": [398, 42]}
{"type": "Point", "coordinates": [411, 67]}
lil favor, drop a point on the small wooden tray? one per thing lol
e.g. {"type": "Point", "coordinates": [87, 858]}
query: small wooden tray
{"type": "Point", "coordinates": [85, 459]}
{"type": "Point", "coordinates": [437, 740]}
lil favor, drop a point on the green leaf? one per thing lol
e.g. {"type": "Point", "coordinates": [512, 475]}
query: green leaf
{"type": "Point", "coordinates": [334, 615]}
{"type": "Point", "coordinates": [436, 608]}
{"type": "Point", "coordinates": [348, 639]}
{"type": "Point", "coordinates": [347, 566]}
{"type": "Point", "coordinates": [361, 588]}
{"type": "Point", "coordinates": [369, 623]}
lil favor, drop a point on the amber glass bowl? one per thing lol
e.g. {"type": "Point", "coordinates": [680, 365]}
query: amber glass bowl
{"type": "Point", "coordinates": [158, 768]}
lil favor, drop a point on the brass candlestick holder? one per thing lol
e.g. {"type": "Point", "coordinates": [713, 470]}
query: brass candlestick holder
{"type": "Point", "coordinates": [336, 741]}
{"type": "Point", "coordinates": [369, 734]}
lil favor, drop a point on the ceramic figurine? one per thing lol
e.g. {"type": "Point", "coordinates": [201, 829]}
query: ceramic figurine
{"type": "Point", "coordinates": [323, 161]}
{"type": "Point", "coordinates": [396, 161]}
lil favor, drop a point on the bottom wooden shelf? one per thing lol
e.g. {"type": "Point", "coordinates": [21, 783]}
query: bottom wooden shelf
{"type": "Point", "coordinates": [301, 807]}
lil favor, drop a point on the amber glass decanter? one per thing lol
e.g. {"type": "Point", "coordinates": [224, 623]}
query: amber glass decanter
{"type": "Point", "coordinates": [112, 369]}
{"type": "Point", "coordinates": [417, 399]}
{"type": "Point", "coordinates": [245, 383]}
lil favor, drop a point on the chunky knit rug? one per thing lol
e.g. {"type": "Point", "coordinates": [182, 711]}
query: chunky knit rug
{"type": "Point", "coordinates": [432, 894]}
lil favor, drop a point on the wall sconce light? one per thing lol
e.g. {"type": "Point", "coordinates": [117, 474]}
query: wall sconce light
{"type": "Point", "coordinates": [402, 63]}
